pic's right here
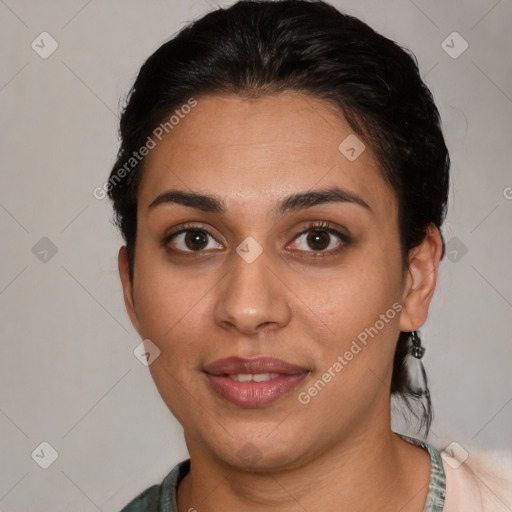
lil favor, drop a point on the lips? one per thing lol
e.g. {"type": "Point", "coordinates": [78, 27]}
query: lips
{"type": "Point", "coordinates": [253, 382]}
{"type": "Point", "coordinates": [234, 365]}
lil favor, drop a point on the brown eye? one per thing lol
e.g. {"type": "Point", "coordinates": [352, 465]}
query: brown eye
{"type": "Point", "coordinates": [196, 240]}
{"type": "Point", "coordinates": [318, 240]}
{"type": "Point", "coordinates": [322, 239]}
{"type": "Point", "coordinates": [191, 240]}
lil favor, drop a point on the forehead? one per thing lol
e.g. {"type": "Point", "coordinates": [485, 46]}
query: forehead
{"type": "Point", "coordinates": [260, 150]}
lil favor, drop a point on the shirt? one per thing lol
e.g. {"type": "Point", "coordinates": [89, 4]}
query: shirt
{"type": "Point", "coordinates": [163, 497]}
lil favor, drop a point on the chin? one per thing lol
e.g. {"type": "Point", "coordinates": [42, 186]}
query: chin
{"type": "Point", "coordinates": [257, 451]}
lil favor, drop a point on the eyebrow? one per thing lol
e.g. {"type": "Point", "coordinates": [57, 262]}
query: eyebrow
{"type": "Point", "coordinates": [293, 203]}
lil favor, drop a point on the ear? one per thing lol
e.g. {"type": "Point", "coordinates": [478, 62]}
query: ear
{"type": "Point", "coordinates": [124, 274]}
{"type": "Point", "coordinates": [421, 280]}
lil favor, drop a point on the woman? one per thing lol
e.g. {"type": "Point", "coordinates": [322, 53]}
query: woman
{"type": "Point", "coordinates": [281, 184]}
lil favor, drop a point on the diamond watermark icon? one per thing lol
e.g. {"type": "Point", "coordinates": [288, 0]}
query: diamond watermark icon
{"type": "Point", "coordinates": [351, 147]}
{"type": "Point", "coordinates": [454, 45]}
{"type": "Point", "coordinates": [455, 249]}
{"type": "Point", "coordinates": [44, 45]}
{"type": "Point", "coordinates": [146, 352]}
{"type": "Point", "coordinates": [44, 250]}
{"type": "Point", "coordinates": [249, 454]}
{"type": "Point", "coordinates": [454, 455]}
{"type": "Point", "coordinates": [44, 455]}
{"type": "Point", "coordinates": [249, 249]}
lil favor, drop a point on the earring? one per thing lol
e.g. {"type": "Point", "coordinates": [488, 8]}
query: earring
{"type": "Point", "coordinates": [417, 350]}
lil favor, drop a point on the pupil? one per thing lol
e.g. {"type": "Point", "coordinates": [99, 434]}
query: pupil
{"type": "Point", "coordinates": [194, 238]}
{"type": "Point", "coordinates": [318, 238]}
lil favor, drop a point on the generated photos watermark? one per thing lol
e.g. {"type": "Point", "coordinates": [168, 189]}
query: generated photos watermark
{"type": "Point", "coordinates": [137, 156]}
{"type": "Point", "coordinates": [304, 397]}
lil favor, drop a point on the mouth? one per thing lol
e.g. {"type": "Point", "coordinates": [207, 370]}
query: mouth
{"type": "Point", "coordinates": [253, 383]}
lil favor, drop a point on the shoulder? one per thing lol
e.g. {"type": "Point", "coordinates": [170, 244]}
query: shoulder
{"type": "Point", "coordinates": [477, 480]}
{"type": "Point", "coordinates": [160, 497]}
{"type": "Point", "coordinates": [146, 501]}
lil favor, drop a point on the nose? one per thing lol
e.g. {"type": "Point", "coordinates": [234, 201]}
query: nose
{"type": "Point", "coordinates": [252, 298]}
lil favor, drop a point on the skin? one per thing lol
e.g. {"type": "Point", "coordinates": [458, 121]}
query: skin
{"type": "Point", "coordinates": [337, 452]}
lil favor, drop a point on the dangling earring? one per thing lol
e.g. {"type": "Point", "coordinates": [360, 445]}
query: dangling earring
{"type": "Point", "coordinates": [417, 350]}
{"type": "Point", "coordinates": [418, 383]}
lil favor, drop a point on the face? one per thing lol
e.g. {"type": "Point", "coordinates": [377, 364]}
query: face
{"type": "Point", "coordinates": [266, 265]}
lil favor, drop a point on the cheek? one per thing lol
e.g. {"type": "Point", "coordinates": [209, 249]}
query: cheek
{"type": "Point", "coordinates": [169, 301]}
{"type": "Point", "coordinates": [354, 355]}
{"type": "Point", "coordinates": [360, 305]}
{"type": "Point", "coordinates": [345, 300]}
{"type": "Point", "coordinates": [171, 310]}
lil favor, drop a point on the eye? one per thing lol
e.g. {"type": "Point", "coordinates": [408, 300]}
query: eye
{"type": "Point", "coordinates": [191, 239]}
{"type": "Point", "coordinates": [321, 238]}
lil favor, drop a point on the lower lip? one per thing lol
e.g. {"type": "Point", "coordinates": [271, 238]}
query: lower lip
{"type": "Point", "coordinates": [254, 394]}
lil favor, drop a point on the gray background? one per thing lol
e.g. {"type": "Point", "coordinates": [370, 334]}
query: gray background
{"type": "Point", "coordinates": [68, 375]}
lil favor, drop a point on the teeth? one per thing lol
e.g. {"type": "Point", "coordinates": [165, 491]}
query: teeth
{"type": "Point", "coordinates": [241, 377]}
{"type": "Point", "coordinates": [261, 377]}
{"type": "Point", "coordinates": [258, 377]}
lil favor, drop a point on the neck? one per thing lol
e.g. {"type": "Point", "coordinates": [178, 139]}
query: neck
{"type": "Point", "coordinates": [374, 469]}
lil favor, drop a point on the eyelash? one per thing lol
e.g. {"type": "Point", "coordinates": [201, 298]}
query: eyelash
{"type": "Point", "coordinates": [312, 226]}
